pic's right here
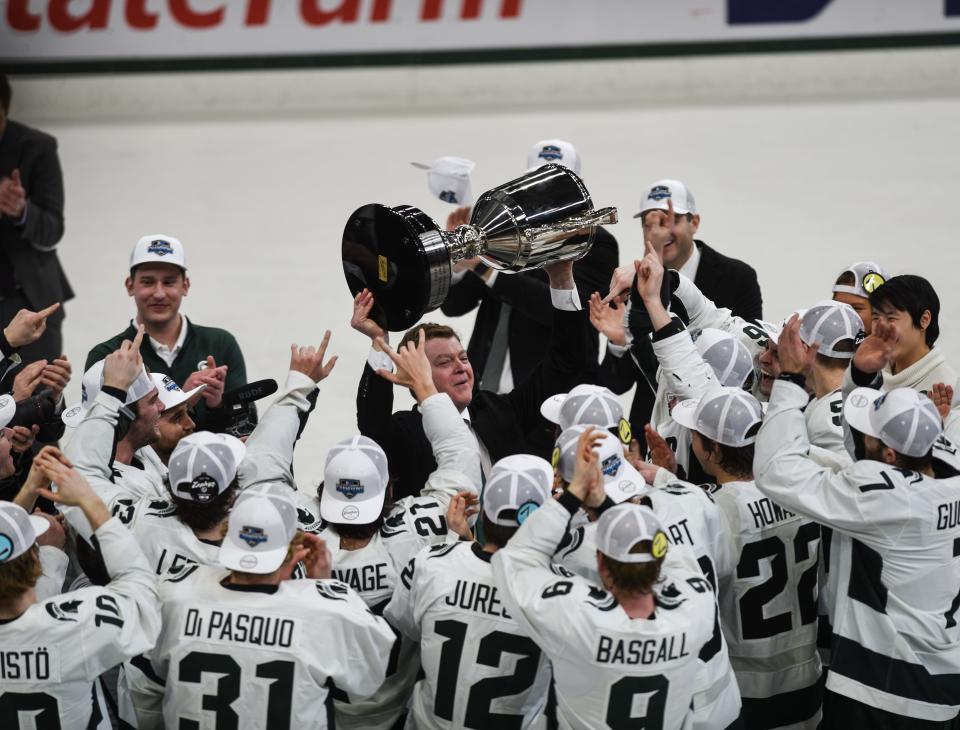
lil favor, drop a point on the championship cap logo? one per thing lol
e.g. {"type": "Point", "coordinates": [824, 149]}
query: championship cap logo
{"type": "Point", "coordinates": [550, 152]}
{"type": "Point", "coordinates": [169, 384]}
{"type": "Point", "coordinates": [253, 536]}
{"type": "Point", "coordinates": [448, 196]}
{"type": "Point", "coordinates": [658, 192]}
{"type": "Point", "coordinates": [611, 465]}
{"type": "Point", "coordinates": [160, 247]}
{"type": "Point", "coordinates": [350, 488]}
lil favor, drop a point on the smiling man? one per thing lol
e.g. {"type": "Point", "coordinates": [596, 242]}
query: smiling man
{"type": "Point", "coordinates": [189, 353]}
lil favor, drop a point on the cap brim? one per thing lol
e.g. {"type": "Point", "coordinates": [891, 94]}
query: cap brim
{"type": "Point", "coordinates": [627, 484]}
{"type": "Point", "coordinates": [343, 511]}
{"type": "Point", "coordinates": [680, 211]}
{"type": "Point", "coordinates": [73, 415]}
{"type": "Point", "coordinates": [857, 408]}
{"type": "Point", "coordinates": [39, 525]}
{"type": "Point", "coordinates": [550, 408]}
{"type": "Point", "coordinates": [685, 413]}
{"type": "Point", "coordinates": [246, 561]}
{"type": "Point", "coordinates": [186, 396]}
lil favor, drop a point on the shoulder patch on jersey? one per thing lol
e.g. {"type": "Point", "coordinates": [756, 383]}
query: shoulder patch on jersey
{"type": "Point", "coordinates": [571, 541]}
{"type": "Point", "coordinates": [393, 525]}
{"type": "Point", "coordinates": [332, 589]}
{"type": "Point", "coordinates": [161, 508]}
{"type": "Point", "coordinates": [66, 611]}
{"type": "Point", "coordinates": [711, 488]}
{"type": "Point", "coordinates": [438, 551]}
{"type": "Point", "coordinates": [309, 522]}
{"type": "Point", "coordinates": [674, 488]}
{"type": "Point", "coordinates": [561, 571]}
{"type": "Point", "coordinates": [669, 597]}
{"type": "Point", "coordinates": [601, 600]}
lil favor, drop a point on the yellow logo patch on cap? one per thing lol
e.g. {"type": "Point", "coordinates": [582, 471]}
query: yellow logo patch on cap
{"type": "Point", "coordinates": [659, 548]}
{"type": "Point", "coordinates": [626, 433]}
{"type": "Point", "coordinates": [872, 282]}
{"type": "Point", "coordinates": [555, 457]}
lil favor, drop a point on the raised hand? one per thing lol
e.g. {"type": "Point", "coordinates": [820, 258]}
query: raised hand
{"type": "Point", "coordinates": [793, 354]}
{"type": "Point", "coordinates": [27, 326]}
{"type": "Point", "coordinates": [55, 536]}
{"type": "Point", "coordinates": [214, 377]}
{"type": "Point", "coordinates": [28, 380]}
{"type": "Point", "coordinates": [649, 275]}
{"type": "Point", "coordinates": [463, 506]}
{"type": "Point", "coordinates": [317, 559]}
{"type": "Point", "coordinates": [360, 319]}
{"type": "Point", "coordinates": [413, 367]}
{"type": "Point", "coordinates": [587, 481]}
{"type": "Point", "coordinates": [56, 375]}
{"type": "Point", "coordinates": [121, 367]}
{"type": "Point", "coordinates": [660, 452]}
{"type": "Point", "coordinates": [71, 489]}
{"type": "Point", "coordinates": [13, 196]}
{"type": "Point", "coordinates": [620, 283]}
{"type": "Point", "coordinates": [459, 217]}
{"type": "Point", "coordinates": [876, 351]}
{"type": "Point", "coordinates": [309, 360]}
{"type": "Point", "coordinates": [608, 320]}
{"type": "Point", "coordinates": [942, 396]}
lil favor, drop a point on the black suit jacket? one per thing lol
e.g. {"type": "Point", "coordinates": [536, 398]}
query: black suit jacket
{"type": "Point", "coordinates": [30, 249]}
{"type": "Point", "coordinates": [531, 318]}
{"type": "Point", "coordinates": [506, 424]}
{"type": "Point", "coordinates": [728, 282]}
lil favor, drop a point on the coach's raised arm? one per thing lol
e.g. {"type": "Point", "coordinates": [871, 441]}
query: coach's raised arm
{"type": "Point", "coordinates": [504, 424]}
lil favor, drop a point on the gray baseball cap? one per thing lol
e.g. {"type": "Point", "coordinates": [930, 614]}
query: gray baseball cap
{"type": "Point", "coordinates": [904, 419]}
{"type": "Point", "coordinates": [868, 276]}
{"type": "Point", "coordinates": [585, 404]}
{"type": "Point", "coordinates": [204, 464]}
{"type": "Point", "coordinates": [829, 324]}
{"type": "Point", "coordinates": [261, 525]}
{"type": "Point", "coordinates": [516, 489]}
{"type": "Point", "coordinates": [727, 356]}
{"type": "Point", "coordinates": [19, 530]}
{"type": "Point", "coordinates": [620, 528]}
{"type": "Point", "coordinates": [621, 480]}
{"type": "Point", "coordinates": [729, 416]}
{"type": "Point", "coordinates": [355, 481]}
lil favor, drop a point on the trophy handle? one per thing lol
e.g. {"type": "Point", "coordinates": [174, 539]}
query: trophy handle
{"type": "Point", "coordinates": [573, 224]}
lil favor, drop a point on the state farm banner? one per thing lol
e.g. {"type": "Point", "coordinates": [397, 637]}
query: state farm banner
{"type": "Point", "coordinates": [77, 31]}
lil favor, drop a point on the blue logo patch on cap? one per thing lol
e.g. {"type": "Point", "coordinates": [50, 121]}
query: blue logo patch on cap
{"type": "Point", "coordinates": [879, 402]}
{"type": "Point", "coordinates": [551, 152]}
{"type": "Point", "coordinates": [525, 510]}
{"type": "Point", "coordinates": [448, 196]}
{"type": "Point", "coordinates": [6, 547]}
{"type": "Point", "coordinates": [611, 465]}
{"type": "Point", "coordinates": [160, 247]}
{"type": "Point", "coordinates": [169, 384]}
{"type": "Point", "coordinates": [253, 536]}
{"type": "Point", "coordinates": [659, 192]}
{"type": "Point", "coordinates": [350, 488]}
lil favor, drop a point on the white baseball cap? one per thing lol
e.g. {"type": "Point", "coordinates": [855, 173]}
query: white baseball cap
{"type": "Point", "coordinates": [727, 356]}
{"type": "Point", "coordinates": [19, 531]}
{"type": "Point", "coordinates": [620, 528]}
{"type": "Point", "coordinates": [158, 249]}
{"type": "Point", "coordinates": [656, 196]}
{"type": "Point", "coordinates": [585, 404]}
{"type": "Point", "coordinates": [261, 525]}
{"type": "Point", "coordinates": [830, 324]}
{"type": "Point", "coordinates": [448, 179]}
{"type": "Point", "coordinates": [171, 394]}
{"type": "Point", "coordinates": [556, 151]}
{"type": "Point", "coordinates": [775, 330]}
{"type": "Point", "coordinates": [729, 416]}
{"type": "Point", "coordinates": [904, 419]}
{"type": "Point", "coordinates": [90, 387]}
{"type": "Point", "coordinates": [517, 486]}
{"type": "Point", "coordinates": [620, 480]}
{"type": "Point", "coordinates": [204, 464]}
{"type": "Point", "coordinates": [355, 481]}
{"type": "Point", "coordinates": [868, 276]}
{"type": "Point", "coordinates": [8, 406]}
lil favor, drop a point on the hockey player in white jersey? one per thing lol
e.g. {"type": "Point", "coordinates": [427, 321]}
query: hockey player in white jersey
{"type": "Point", "coordinates": [768, 597]}
{"type": "Point", "coordinates": [52, 652]}
{"type": "Point", "coordinates": [372, 539]}
{"type": "Point", "coordinates": [896, 645]}
{"type": "Point", "coordinates": [251, 648]}
{"type": "Point", "coordinates": [622, 655]}
{"type": "Point", "coordinates": [690, 519]}
{"type": "Point", "coordinates": [174, 424]}
{"type": "Point", "coordinates": [481, 669]}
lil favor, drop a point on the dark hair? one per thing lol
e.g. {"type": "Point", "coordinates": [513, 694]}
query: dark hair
{"type": "Point", "coordinates": [6, 93]}
{"type": "Point", "coordinates": [736, 460]}
{"type": "Point", "coordinates": [634, 578]}
{"type": "Point", "coordinates": [499, 535]}
{"type": "Point", "coordinates": [431, 331]}
{"type": "Point", "coordinates": [915, 463]}
{"type": "Point", "coordinates": [203, 516]}
{"type": "Point", "coordinates": [913, 295]}
{"type": "Point", "coordinates": [133, 270]}
{"type": "Point", "coordinates": [847, 278]}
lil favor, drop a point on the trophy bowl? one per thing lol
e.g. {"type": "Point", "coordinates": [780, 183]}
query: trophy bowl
{"type": "Point", "coordinates": [406, 259]}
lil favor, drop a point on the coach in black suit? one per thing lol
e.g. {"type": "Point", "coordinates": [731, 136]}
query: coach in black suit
{"type": "Point", "coordinates": [729, 282]}
{"type": "Point", "coordinates": [31, 225]}
{"type": "Point", "coordinates": [504, 424]}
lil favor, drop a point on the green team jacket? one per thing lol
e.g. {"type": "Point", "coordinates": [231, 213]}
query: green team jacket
{"type": "Point", "coordinates": [200, 342]}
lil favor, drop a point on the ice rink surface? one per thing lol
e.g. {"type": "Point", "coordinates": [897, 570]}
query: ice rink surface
{"type": "Point", "coordinates": [798, 190]}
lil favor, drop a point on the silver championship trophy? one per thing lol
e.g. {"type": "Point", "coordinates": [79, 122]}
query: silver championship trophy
{"type": "Point", "coordinates": [403, 257]}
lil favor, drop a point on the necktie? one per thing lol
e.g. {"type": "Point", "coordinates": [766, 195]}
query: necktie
{"type": "Point", "coordinates": [498, 351]}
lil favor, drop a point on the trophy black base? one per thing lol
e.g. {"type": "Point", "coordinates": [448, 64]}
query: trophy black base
{"type": "Point", "coordinates": [399, 255]}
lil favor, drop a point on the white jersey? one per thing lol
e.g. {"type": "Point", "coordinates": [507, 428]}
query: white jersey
{"type": "Point", "coordinates": [824, 420]}
{"type": "Point", "coordinates": [482, 670]}
{"type": "Point", "coordinates": [896, 540]}
{"type": "Point", "coordinates": [54, 563]}
{"type": "Point", "coordinates": [152, 463]}
{"type": "Point", "coordinates": [608, 669]}
{"type": "Point", "coordinates": [768, 603]}
{"type": "Point", "coordinates": [51, 655]}
{"type": "Point", "coordinates": [270, 655]}
{"type": "Point", "coordinates": [690, 520]}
